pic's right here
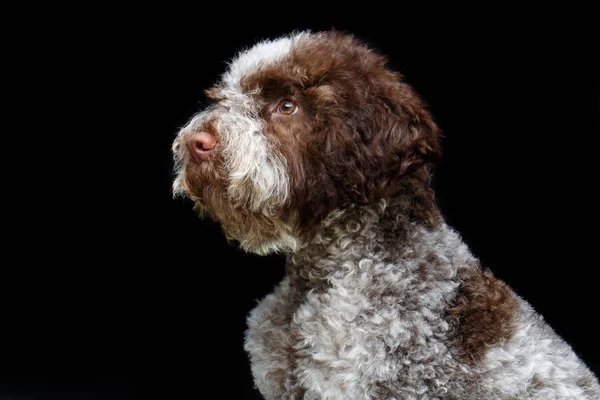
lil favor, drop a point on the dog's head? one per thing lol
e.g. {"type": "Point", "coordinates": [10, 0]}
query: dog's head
{"type": "Point", "coordinates": [301, 126]}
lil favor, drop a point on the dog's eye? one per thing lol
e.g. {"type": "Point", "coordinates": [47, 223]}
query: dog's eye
{"type": "Point", "coordinates": [287, 107]}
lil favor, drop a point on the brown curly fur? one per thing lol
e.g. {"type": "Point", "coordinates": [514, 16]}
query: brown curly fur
{"type": "Point", "coordinates": [483, 313]}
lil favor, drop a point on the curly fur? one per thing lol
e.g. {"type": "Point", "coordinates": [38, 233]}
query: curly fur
{"type": "Point", "coordinates": [381, 299]}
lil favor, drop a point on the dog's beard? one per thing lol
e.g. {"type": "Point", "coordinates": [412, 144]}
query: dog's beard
{"type": "Point", "coordinates": [255, 232]}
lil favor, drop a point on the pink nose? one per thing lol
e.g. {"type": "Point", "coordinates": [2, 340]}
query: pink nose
{"type": "Point", "coordinates": [200, 145]}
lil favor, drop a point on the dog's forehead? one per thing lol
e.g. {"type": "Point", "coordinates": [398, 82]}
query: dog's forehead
{"type": "Point", "coordinates": [261, 55]}
{"type": "Point", "coordinates": [302, 60]}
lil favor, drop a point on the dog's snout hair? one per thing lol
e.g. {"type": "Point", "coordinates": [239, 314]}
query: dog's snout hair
{"type": "Point", "coordinates": [252, 173]}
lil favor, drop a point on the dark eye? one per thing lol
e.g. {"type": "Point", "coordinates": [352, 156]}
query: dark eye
{"type": "Point", "coordinates": [287, 107]}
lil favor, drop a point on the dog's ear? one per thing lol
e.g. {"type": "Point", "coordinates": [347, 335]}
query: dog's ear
{"type": "Point", "coordinates": [388, 137]}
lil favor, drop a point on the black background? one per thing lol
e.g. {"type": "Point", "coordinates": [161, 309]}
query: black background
{"type": "Point", "coordinates": [113, 289]}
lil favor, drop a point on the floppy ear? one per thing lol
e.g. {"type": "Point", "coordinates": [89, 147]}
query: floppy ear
{"type": "Point", "coordinates": [389, 136]}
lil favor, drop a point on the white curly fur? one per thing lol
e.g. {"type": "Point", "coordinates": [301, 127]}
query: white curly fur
{"type": "Point", "coordinates": [537, 355]}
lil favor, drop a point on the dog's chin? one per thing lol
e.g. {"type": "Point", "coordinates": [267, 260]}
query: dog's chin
{"type": "Point", "coordinates": [253, 232]}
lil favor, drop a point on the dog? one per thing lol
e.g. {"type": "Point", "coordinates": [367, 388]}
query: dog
{"type": "Point", "coordinates": [314, 148]}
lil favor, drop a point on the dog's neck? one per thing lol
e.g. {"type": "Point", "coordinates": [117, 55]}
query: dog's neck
{"type": "Point", "coordinates": [354, 238]}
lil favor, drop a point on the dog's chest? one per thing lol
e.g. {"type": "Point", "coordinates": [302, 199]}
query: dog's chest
{"type": "Point", "coordinates": [349, 338]}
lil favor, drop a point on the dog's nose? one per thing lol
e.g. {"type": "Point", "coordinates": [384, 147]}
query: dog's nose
{"type": "Point", "coordinates": [201, 144]}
